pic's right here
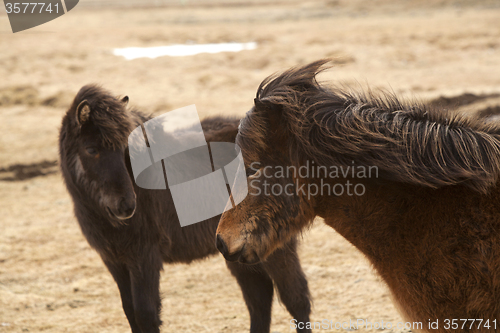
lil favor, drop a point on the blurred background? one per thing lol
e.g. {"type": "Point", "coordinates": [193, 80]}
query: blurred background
{"type": "Point", "coordinates": [444, 52]}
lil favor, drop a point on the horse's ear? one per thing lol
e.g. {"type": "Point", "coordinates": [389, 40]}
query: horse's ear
{"type": "Point", "coordinates": [266, 106]}
{"type": "Point", "coordinates": [260, 105]}
{"type": "Point", "coordinates": [82, 112]}
{"type": "Point", "coordinates": [268, 110]}
{"type": "Point", "coordinates": [263, 104]}
{"type": "Point", "coordinates": [125, 100]}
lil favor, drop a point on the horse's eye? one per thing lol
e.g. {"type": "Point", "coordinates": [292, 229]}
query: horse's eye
{"type": "Point", "coordinates": [91, 151]}
{"type": "Point", "coordinates": [251, 171]}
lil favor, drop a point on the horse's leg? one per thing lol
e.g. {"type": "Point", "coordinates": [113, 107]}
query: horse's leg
{"type": "Point", "coordinates": [283, 266]}
{"type": "Point", "coordinates": [257, 289]}
{"type": "Point", "coordinates": [122, 278]}
{"type": "Point", "coordinates": [145, 279]}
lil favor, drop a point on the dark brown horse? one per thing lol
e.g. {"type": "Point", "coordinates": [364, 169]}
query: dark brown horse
{"type": "Point", "coordinates": [135, 230]}
{"type": "Point", "coordinates": [413, 188]}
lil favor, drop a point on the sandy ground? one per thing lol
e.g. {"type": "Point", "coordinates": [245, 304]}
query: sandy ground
{"type": "Point", "coordinates": [52, 281]}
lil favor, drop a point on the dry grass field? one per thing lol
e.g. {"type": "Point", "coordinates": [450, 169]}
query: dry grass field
{"type": "Point", "coordinates": [52, 281]}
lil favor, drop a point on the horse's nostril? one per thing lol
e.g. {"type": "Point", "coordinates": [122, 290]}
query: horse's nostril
{"type": "Point", "coordinates": [221, 245]}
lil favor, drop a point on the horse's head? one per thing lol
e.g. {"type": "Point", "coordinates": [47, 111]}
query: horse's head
{"type": "Point", "coordinates": [271, 137]}
{"type": "Point", "coordinates": [93, 152]}
{"type": "Point", "coordinates": [275, 209]}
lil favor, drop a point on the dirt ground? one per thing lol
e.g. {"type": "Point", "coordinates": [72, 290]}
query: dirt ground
{"type": "Point", "coordinates": [52, 281]}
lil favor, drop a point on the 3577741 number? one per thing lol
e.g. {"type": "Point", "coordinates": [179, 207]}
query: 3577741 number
{"type": "Point", "coordinates": [462, 324]}
{"type": "Point", "coordinates": [17, 8]}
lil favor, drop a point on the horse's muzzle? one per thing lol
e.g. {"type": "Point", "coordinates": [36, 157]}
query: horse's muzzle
{"type": "Point", "coordinates": [124, 211]}
{"type": "Point", "coordinates": [236, 256]}
{"type": "Point", "coordinates": [127, 208]}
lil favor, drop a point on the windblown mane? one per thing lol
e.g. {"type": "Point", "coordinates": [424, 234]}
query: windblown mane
{"type": "Point", "coordinates": [410, 143]}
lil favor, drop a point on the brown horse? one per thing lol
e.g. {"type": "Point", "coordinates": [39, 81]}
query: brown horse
{"type": "Point", "coordinates": [134, 230]}
{"type": "Point", "coordinates": [413, 188]}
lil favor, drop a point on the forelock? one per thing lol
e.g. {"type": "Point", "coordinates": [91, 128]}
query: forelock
{"type": "Point", "coordinates": [108, 114]}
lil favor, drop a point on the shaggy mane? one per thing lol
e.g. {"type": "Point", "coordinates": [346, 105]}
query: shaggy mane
{"type": "Point", "coordinates": [408, 142]}
{"type": "Point", "coordinates": [107, 113]}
